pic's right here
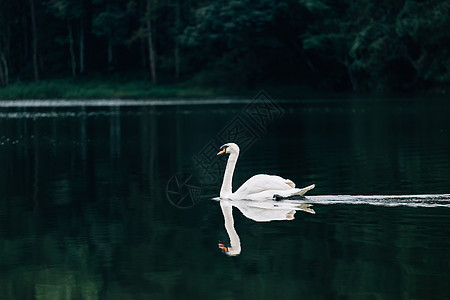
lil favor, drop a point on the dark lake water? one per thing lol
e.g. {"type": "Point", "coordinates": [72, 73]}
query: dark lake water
{"type": "Point", "coordinates": [113, 200]}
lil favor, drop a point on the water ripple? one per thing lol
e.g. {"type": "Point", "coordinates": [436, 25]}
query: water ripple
{"type": "Point", "coordinates": [118, 102]}
{"type": "Point", "coordinates": [432, 200]}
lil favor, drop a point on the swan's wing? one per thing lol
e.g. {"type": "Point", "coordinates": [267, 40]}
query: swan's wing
{"type": "Point", "coordinates": [263, 182]}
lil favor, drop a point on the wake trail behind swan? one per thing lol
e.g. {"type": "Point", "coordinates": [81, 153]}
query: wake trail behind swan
{"type": "Point", "coordinates": [431, 200]}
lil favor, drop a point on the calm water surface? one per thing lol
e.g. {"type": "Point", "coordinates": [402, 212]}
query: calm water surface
{"type": "Point", "coordinates": [93, 204]}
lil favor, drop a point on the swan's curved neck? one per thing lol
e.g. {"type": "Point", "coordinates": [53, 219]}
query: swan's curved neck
{"type": "Point", "coordinates": [227, 189]}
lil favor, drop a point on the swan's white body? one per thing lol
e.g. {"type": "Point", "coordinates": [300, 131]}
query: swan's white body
{"type": "Point", "coordinates": [258, 187]}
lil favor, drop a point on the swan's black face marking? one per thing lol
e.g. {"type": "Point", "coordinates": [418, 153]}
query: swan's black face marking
{"type": "Point", "coordinates": [223, 150]}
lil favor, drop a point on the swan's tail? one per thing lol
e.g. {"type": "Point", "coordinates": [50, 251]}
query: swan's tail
{"type": "Point", "coordinates": [297, 194]}
{"type": "Point", "coordinates": [304, 190]}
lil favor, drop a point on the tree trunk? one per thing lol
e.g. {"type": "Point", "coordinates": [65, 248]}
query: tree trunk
{"type": "Point", "coordinates": [143, 51]}
{"type": "Point", "coordinates": [73, 61]}
{"type": "Point", "coordinates": [8, 40]}
{"type": "Point", "coordinates": [34, 33]}
{"type": "Point", "coordinates": [177, 61]}
{"type": "Point", "coordinates": [82, 46]}
{"type": "Point", "coordinates": [142, 39]}
{"type": "Point", "coordinates": [353, 80]}
{"type": "Point", "coordinates": [4, 74]}
{"type": "Point", "coordinates": [151, 48]}
{"type": "Point", "coordinates": [4, 54]}
{"type": "Point", "coordinates": [110, 53]}
{"type": "Point", "coordinates": [25, 37]}
{"type": "Point", "coordinates": [2, 78]}
{"type": "Point", "coordinates": [109, 37]}
{"type": "Point", "coordinates": [177, 45]}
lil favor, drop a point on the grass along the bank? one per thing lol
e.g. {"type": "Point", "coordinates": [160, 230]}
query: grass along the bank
{"type": "Point", "coordinates": [101, 88]}
{"type": "Point", "coordinates": [129, 87]}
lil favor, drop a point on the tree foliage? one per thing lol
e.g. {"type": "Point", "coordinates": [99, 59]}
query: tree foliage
{"type": "Point", "coordinates": [385, 45]}
{"type": "Point", "coordinates": [364, 45]}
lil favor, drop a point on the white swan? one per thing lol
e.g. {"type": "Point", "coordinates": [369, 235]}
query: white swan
{"type": "Point", "coordinates": [258, 187]}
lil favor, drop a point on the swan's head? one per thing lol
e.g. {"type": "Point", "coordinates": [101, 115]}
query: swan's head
{"type": "Point", "coordinates": [229, 148]}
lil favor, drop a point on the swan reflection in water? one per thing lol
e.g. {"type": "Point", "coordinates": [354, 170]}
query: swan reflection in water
{"type": "Point", "coordinates": [263, 211]}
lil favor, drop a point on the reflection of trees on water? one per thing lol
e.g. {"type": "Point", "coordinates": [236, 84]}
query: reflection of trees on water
{"type": "Point", "coordinates": [114, 131]}
{"type": "Point", "coordinates": [67, 208]}
{"type": "Point", "coordinates": [70, 226]}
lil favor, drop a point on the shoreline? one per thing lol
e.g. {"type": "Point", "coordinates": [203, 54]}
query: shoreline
{"type": "Point", "coordinates": [114, 88]}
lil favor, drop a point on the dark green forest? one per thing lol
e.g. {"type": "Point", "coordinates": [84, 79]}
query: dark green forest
{"type": "Point", "coordinates": [327, 45]}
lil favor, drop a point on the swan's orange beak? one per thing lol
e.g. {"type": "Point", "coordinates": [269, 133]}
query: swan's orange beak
{"type": "Point", "coordinates": [222, 246]}
{"type": "Point", "coordinates": [222, 151]}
